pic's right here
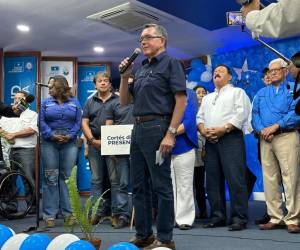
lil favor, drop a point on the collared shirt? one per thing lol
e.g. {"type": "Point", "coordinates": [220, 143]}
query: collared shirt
{"type": "Point", "coordinates": [271, 106]}
{"type": "Point", "coordinates": [120, 114]}
{"type": "Point", "coordinates": [155, 84]}
{"type": "Point", "coordinates": [189, 139]}
{"type": "Point", "coordinates": [229, 105]}
{"type": "Point", "coordinates": [27, 119]}
{"type": "Point", "coordinates": [56, 117]}
{"type": "Point", "coordinates": [276, 20]}
{"type": "Point", "coordinates": [96, 111]}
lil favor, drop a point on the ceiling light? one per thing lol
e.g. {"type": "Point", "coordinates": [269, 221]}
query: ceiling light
{"type": "Point", "coordinates": [98, 49]}
{"type": "Point", "coordinates": [23, 28]}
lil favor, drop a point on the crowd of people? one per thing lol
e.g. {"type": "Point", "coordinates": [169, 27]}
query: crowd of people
{"type": "Point", "coordinates": [199, 136]}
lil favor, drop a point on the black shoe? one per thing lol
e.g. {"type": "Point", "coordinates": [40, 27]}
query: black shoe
{"type": "Point", "coordinates": [237, 226]}
{"type": "Point", "coordinates": [264, 220]}
{"type": "Point", "coordinates": [121, 223]}
{"type": "Point", "coordinates": [184, 227]}
{"type": "Point", "coordinates": [140, 243]}
{"type": "Point", "coordinates": [220, 223]}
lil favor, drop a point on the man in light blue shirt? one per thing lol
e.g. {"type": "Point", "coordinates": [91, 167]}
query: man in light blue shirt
{"type": "Point", "coordinates": [274, 119]}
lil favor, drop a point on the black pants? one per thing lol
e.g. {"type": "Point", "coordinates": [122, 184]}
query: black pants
{"type": "Point", "coordinates": [227, 158]}
{"type": "Point", "coordinates": [199, 177]}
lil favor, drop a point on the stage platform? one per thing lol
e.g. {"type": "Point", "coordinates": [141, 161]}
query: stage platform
{"type": "Point", "coordinates": [195, 239]}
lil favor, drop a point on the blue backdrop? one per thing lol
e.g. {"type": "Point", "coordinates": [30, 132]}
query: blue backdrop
{"type": "Point", "coordinates": [20, 73]}
{"type": "Point", "coordinates": [247, 65]}
{"type": "Point", "coordinates": [86, 89]}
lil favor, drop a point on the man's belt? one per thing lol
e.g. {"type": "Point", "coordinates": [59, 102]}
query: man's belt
{"type": "Point", "coordinates": [146, 118]}
{"type": "Point", "coordinates": [281, 131]}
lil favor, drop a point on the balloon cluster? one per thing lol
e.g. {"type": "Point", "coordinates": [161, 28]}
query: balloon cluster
{"type": "Point", "coordinates": [200, 75]}
{"type": "Point", "coordinates": [9, 240]}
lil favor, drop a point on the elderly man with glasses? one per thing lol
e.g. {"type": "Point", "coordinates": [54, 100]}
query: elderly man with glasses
{"type": "Point", "coordinates": [274, 119]}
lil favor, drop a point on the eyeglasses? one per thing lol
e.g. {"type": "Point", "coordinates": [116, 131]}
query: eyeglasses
{"type": "Point", "coordinates": [148, 38]}
{"type": "Point", "coordinates": [271, 71]}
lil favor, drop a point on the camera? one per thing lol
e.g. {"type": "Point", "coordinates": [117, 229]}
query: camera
{"type": "Point", "coordinates": [235, 18]}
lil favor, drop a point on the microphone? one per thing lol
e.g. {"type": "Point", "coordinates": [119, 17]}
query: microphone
{"type": "Point", "coordinates": [134, 55]}
{"type": "Point", "coordinates": [41, 84]}
{"type": "Point", "coordinates": [23, 104]}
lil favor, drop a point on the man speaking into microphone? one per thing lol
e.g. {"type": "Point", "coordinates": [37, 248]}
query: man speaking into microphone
{"type": "Point", "coordinates": [159, 93]}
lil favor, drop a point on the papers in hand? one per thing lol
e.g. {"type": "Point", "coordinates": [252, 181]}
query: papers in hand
{"type": "Point", "coordinates": [159, 158]}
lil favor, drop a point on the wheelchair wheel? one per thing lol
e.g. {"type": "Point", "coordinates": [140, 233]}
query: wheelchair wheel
{"type": "Point", "coordinates": [16, 195]}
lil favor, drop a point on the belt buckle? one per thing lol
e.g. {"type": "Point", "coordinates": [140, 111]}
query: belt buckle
{"type": "Point", "coordinates": [138, 119]}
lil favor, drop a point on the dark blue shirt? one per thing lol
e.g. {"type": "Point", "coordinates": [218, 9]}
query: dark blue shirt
{"type": "Point", "coordinates": [96, 111]}
{"type": "Point", "coordinates": [121, 115]}
{"type": "Point", "coordinates": [189, 139]}
{"type": "Point", "coordinates": [60, 118]}
{"type": "Point", "coordinates": [155, 84]}
{"type": "Point", "coordinates": [271, 107]}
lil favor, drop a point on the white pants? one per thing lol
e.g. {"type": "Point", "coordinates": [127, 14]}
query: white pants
{"type": "Point", "coordinates": [182, 172]}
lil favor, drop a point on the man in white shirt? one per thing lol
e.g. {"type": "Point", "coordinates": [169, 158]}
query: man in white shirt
{"type": "Point", "coordinates": [21, 132]}
{"type": "Point", "coordinates": [220, 120]}
{"type": "Point", "coordinates": [276, 20]}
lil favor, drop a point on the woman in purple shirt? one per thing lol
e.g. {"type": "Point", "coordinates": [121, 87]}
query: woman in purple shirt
{"type": "Point", "coordinates": [60, 118]}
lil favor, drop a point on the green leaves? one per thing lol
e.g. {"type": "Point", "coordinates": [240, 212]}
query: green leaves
{"type": "Point", "coordinates": [84, 215]}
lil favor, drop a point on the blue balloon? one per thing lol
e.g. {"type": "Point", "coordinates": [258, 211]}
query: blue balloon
{"type": "Point", "coordinates": [123, 246]}
{"type": "Point", "coordinates": [5, 234]}
{"type": "Point", "coordinates": [197, 64]}
{"type": "Point", "coordinates": [80, 245]}
{"type": "Point", "coordinates": [36, 241]}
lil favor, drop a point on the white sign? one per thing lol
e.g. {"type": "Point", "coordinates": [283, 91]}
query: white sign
{"type": "Point", "coordinates": [116, 139]}
{"type": "Point", "coordinates": [53, 68]}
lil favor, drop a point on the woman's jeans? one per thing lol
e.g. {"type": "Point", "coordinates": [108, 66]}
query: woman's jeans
{"type": "Point", "coordinates": [58, 161]}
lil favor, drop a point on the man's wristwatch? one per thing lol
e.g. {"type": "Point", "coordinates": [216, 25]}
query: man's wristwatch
{"type": "Point", "coordinates": [172, 131]}
{"type": "Point", "coordinates": [227, 128]}
{"type": "Point", "coordinates": [90, 141]}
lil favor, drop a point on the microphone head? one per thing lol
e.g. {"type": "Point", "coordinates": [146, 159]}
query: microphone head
{"type": "Point", "coordinates": [29, 98]}
{"type": "Point", "coordinates": [137, 51]}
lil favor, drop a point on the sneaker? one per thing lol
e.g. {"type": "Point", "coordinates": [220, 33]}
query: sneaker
{"type": "Point", "coordinates": [114, 221]}
{"type": "Point", "coordinates": [50, 222]}
{"type": "Point", "coordinates": [121, 223]}
{"type": "Point", "coordinates": [158, 244]}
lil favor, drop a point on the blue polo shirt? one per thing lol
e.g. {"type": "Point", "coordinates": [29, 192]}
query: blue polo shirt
{"type": "Point", "coordinates": [65, 118]}
{"type": "Point", "coordinates": [155, 84]}
{"type": "Point", "coordinates": [272, 106]}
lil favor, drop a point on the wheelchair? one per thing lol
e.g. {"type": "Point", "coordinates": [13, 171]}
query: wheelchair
{"type": "Point", "coordinates": [16, 191]}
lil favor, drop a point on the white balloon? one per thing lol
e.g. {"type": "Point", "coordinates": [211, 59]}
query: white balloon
{"type": "Point", "coordinates": [62, 241]}
{"type": "Point", "coordinates": [13, 232]}
{"type": "Point", "coordinates": [14, 242]}
{"type": "Point", "coordinates": [161, 248]}
{"type": "Point", "coordinates": [191, 85]}
{"type": "Point", "coordinates": [206, 76]}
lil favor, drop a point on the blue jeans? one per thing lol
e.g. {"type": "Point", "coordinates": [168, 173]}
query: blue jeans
{"type": "Point", "coordinates": [122, 166]}
{"type": "Point", "coordinates": [100, 166]}
{"type": "Point", "coordinates": [145, 141]}
{"type": "Point", "coordinates": [58, 161]}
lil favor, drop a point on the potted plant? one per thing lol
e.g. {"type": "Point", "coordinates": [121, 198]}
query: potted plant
{"type": "Point", "coordinates": [83, 215]}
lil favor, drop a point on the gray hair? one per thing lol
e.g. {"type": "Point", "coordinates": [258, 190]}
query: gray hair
{"type": "Point", "coordinates": [279, 60]}
{"type": "Point", "coordinates": [159, 30]}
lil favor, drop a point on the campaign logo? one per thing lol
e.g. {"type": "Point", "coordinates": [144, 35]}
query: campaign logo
{"type": "Point", "coordinates": [28, 66]}
{"type": "Point", "coordinates": [65, 71]}
{"type": "Point", "coordinates": [54, 70]}
{"type": "Point", "coordinates": [17, 67]}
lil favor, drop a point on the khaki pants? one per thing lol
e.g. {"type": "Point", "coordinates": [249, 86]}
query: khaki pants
{"type": "Point", "coordinates": [280, 164]}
